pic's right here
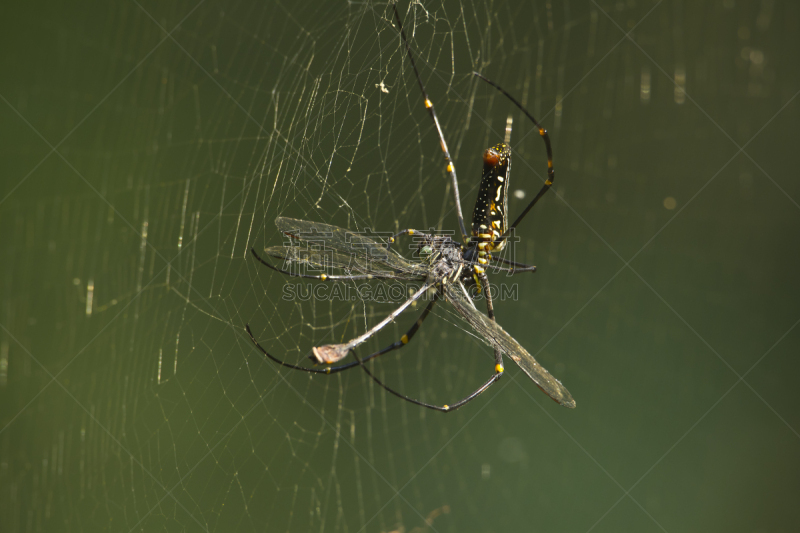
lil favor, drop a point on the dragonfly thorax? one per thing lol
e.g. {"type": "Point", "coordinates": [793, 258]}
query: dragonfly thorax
{"type": "Point", "coordinates": [445, 259]}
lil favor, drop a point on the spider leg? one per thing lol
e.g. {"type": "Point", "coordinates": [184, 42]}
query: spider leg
{"type": "Point", "coordinates": [323, 277]}
{"type": "Point", "coordinates": [517, 267]}
{"type": "Point", "coordinates": [498, 368]}
{"type": "Point", "coordinates": [510, 270]}
{"type": "Point", "coordinates": [451, 168]}
{"type": "Point", "coordinates": [328, 370]}
{"type": "Point", "coordinates": [405, 339]}
{"type": "Point", "coordinates": [444, 408]}
{"type": "Point", "coordinates": [550, 171]}
{"type": "Point", "coordinates": [413, 232]}
{"type": "Point", "coordinates": [498, 356]}
{"type": "Point", "coordinates": [334, 369]}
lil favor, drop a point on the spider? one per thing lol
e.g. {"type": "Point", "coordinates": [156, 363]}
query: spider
{"type": "Point", "coordinates": [447, 267]}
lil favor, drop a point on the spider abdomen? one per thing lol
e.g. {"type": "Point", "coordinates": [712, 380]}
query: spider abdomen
{"type": "Point", "coordinates": [489, 220]}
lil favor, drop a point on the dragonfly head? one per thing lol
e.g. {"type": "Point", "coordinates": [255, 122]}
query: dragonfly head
{"type": "Point", "coordinates": [425, 252]}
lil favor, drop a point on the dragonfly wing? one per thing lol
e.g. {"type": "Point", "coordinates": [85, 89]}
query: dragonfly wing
{"type": "Point", "coordinates": [358, 250]}
{"type": "Point", "coordinates": [504, 342]}
{"type": "Point", "coordinates": [320, 259]}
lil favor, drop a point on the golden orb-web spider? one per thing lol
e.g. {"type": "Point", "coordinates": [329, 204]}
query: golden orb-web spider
{"type": "Point", "coordinates": [448, 266]}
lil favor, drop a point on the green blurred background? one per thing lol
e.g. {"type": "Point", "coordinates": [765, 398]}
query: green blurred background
{"type": "Point", "coordinates": [146, 146]}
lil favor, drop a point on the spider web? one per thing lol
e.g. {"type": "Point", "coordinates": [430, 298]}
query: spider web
{"type": "Point", "coordinates": [157, 413]}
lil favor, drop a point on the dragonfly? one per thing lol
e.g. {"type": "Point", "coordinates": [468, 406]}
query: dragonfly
{"type": "Point", "coordinates": [449, 269]}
